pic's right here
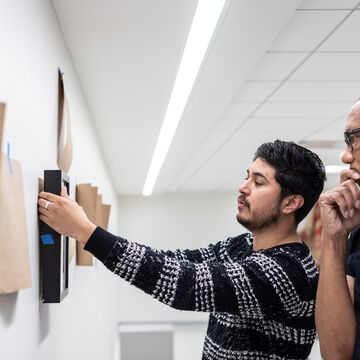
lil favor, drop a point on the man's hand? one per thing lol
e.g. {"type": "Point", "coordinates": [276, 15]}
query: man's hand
{"type": "Point", "coordinates": [349, 174]}
{"type": "Point", "coordinates": [65, 216]}
{"type": "Point", "coordinates": [340, 208]}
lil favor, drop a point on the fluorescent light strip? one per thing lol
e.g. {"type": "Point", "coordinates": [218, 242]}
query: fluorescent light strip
{"type": "Point", "coordinates": [206, 17]}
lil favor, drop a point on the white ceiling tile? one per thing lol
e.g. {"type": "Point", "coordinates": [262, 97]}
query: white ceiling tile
{"type": "Point", "coordinates": [328, 4]}
{"type": "Point", "coordinates": [257, 137]}
{"type": "Point", "coordinates": [284, 124]}
{"type": "Point", "coordinates": [334, 66]}
{"type": "Point", "coordinates": [124, 13]}
{"type": "Point", "coordinates": [306, 29]}
{"type": "Point", "coordinates": [255, 90]}
{"type": "Point", "coordinates": [303, 109]}
{"type": "Point", "coordinates": [242, 144]}
{"type": "Point", "coordinates": [333, 132]}
{"type": "Point", "coordinates": [343, 38]}
{"type": "Point", "coordinates": [240, 109]}
{"type": "Point", "coordinates": [276, 66]}
{"type": "Point", "coordinates": [317, 91]}
{"type": "Point", "coordinates": [327, 135]}
{"type": "Point", "coordinates": [227, 124]}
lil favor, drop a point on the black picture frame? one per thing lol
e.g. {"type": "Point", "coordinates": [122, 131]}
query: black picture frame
{"type": "Point", "coordinates": [54, 247]}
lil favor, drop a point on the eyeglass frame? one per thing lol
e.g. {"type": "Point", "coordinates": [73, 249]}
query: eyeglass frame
{"type": "Point", "coordinates": [347, 138]}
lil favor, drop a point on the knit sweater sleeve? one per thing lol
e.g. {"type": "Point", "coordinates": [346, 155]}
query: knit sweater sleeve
{"type": "Point", "coordinates": [258, 283]}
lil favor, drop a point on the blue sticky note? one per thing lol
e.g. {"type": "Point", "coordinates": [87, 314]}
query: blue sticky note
{"type": "Point", "coordinates": [47, 239]}
{"type": "Point", "coordinates": [9, 159]}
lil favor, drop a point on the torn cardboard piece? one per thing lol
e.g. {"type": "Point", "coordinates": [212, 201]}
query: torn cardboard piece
{"type": "Point", "coordinates": [86, 196]}
{"type": "Point", "coordinates": [65, 146]}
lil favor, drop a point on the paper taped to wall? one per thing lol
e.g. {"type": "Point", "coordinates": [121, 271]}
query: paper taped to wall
{"type": "Point", "coordinates": [102, 213]}
{"type": "Point", "coordinates": [2, 117]}
{"type": "Point", "coordinates": [15, 273]}
{"type": "Point", "coordinates": [86, 196]}
{"type": "Point", "coordinates": [65, 146]}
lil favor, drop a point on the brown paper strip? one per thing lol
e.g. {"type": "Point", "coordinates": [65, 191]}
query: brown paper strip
{"type": "Point", "coordinates": [86, 196]}
{"type": "Point", "coordinates": [72, 248]}
{"type": "Point", "coordinates": [2, 119]}
{"type": "Point", "coordinates": [105, 216]}
{"type": "Point", "coordinates": [15, 273]}
{"type": "Point", "coordinates": [102, 213]}
{"type": "Point", "coordinates": [65, 147]}
{"type": "Point", "coordinates": [98, 211]}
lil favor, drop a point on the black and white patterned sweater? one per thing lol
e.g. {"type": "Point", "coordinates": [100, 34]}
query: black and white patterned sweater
{"type": "Point", "coordinates": [261, 304]}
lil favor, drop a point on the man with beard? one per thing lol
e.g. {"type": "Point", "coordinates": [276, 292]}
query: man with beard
{"type": "Point", "coordinates": [258, 287]}
{"type": "Point", "coordinates": [338, 304]}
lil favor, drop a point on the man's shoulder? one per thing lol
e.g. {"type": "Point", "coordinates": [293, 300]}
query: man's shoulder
{"type": "Point", "coordinates": [292, 256]}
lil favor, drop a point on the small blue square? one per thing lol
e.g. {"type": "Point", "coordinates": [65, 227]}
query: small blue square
{"type": "Point", "coordinates": [47, 239]}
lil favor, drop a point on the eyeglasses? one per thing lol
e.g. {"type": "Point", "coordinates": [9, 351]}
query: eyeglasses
{"type": "Point", "coordinates": [351, 140]}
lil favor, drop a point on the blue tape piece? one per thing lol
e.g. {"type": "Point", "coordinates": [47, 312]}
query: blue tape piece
{"type": "Point", "coordinates": [47, 239]}
{"type": "Point", "coordinates": [9, 160]}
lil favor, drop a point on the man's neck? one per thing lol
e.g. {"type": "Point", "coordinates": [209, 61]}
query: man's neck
{"type": "Point", "coordinates": [273, 235]}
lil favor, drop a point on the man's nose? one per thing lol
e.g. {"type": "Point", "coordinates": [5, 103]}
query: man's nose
{"type": "Point", "coordinates": [347, 157]}
{"type": "Point", "coordinates": [244, 188]}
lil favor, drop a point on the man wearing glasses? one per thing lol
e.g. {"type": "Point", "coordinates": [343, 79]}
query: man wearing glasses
{"type": "Point", "coordinates": [338, 296]}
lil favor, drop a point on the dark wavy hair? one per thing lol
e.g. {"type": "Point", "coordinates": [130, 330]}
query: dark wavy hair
{"type": "Point", "coordinates": [298, 170]}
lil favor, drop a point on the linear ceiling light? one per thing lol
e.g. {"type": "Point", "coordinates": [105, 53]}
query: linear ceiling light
{"type": "Point", "coordinates": [206, 17]}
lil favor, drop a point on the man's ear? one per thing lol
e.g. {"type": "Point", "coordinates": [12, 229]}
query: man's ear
{"type": "Point", "coordinates": [291, 203]}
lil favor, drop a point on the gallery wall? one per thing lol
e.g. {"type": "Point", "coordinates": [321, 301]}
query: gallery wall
{"type": "Point", "coordinates": [84, 325]}
{"type": "Point", "coordinates": [32, 50]}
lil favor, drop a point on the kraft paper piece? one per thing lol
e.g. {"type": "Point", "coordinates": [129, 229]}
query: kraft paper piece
{"type": "Point", "coordinates": [98, 210]}
{"type": "Point", "coordinates": [105, 215]}
{"type": "Point", "coordinates": [2, 119]}
{"type": "Point", "coordinates": [15, 273]}
{"type": "Point", "coordinates": [102, 213]}
{"type": "Point", "coordinates": [65, 147]}
{"type": "Point", "coordinates": [86, 196]}
{"type": "Point", "coordinates": [72, 248]}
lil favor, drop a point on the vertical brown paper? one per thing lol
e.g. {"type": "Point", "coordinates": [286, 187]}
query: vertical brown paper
{"type": "Point", "coordinates": [86, 196]}
{"type": "Point", "coordinates": [65, 147]}
{"type": "Point", "coordinates": [98, 211]}
{"type": "Point", "coordinates": [102, 213]}
{"type": "Point", "coordinates": [72, 248]}
{"type": "Point", "coordinates": [105, 216]}
{"type": "Point", "coordinates": [2, 117]}
{"type": "Point", "coordinates": [15, 273]}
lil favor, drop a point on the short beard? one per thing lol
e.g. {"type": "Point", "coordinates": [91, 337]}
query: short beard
{"type": "Point", "coordinates": [261, 222]}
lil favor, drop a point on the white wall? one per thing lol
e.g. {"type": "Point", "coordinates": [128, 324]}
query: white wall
{"type": "Point", "coordinates": [31, 50]}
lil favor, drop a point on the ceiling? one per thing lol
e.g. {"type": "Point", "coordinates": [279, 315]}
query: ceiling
{"type": "Point", "coordinates": [284, 69]}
